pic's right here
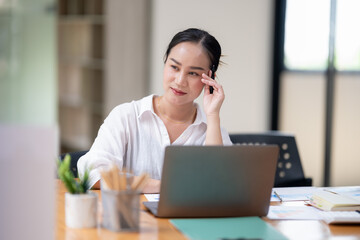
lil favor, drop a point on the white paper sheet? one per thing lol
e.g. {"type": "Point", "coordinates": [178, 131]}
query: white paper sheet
{"type": "Point", "coordinates": [293, 193]}
{"type": "Point", "coordinates": [293, 212]}
{"type": "Point", "coordinates": [353, 191]}
{"type": "Point", "coordinates": [311, 213]}
{"type": "Point", "coordinates": [152, 197]}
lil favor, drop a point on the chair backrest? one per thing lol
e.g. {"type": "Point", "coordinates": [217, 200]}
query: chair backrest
{"type": "Point", "coordinates": [74, 159]}
{"type": "Point", "coordinates": [289, 170]}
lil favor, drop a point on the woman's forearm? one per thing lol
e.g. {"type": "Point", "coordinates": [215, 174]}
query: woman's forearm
{"type": "Point", "coordinates": [152, 186]}
{"type": "Point", "coordinates": [96, 186]}
{"type": "Point", "coordinates": [213, 132]}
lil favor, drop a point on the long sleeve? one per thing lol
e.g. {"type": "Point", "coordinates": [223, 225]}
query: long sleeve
{"type": "Point", "coordinates": [109, 146]}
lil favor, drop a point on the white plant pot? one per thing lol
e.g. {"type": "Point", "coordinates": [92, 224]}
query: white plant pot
{"type": "Point", "coordinates": [81, 210]}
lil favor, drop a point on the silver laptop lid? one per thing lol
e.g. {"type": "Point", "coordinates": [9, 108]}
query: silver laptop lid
{"type": "Point", "coordinates": [217, 181]}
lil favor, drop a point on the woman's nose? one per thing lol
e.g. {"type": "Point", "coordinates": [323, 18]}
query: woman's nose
{"type": "Point", "coordinates": [181, 79]}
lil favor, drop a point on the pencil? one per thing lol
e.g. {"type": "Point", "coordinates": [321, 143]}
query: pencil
{"type": "Point", "coordinates": [278, 196]}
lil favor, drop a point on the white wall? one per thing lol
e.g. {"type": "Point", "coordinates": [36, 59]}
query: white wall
{"type": "Point", "coordinates": [244, 30]}
{"type": "Point", "coordinates": [345, 162]}
{"type": "Point", "coordinates": [302, 112]}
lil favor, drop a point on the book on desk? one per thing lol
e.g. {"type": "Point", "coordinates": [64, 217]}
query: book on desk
{"type": "Point", "coordinates": [332, 201]}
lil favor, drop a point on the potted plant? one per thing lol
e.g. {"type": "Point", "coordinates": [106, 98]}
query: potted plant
{"type": "Point", "coordinates": [80, 204]}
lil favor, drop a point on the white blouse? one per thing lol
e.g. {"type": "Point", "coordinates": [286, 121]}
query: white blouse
{"type": "Point", "coordinates": [134, 137]}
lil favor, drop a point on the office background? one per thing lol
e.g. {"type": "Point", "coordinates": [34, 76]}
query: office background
{"type": "Point", "coordinates": [70, 69]}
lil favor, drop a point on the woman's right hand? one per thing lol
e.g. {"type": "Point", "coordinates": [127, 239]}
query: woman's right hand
{"type": "Point", "coordinates": [212, 101]}
{"type": "Point", "coordinates": [152, 185]}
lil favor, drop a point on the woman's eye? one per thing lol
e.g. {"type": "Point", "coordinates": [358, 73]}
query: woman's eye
{"type": "Point", "coordinates": [194, 74]}
{"type": "Point", "coordinates": [174, 67]}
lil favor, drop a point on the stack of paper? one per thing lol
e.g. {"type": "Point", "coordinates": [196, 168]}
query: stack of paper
{"type": "Point", "coordinates": [311, 213]}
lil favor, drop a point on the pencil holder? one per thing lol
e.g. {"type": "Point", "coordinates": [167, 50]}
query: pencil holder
{"type": "Point", "coordinates": [121, 210]}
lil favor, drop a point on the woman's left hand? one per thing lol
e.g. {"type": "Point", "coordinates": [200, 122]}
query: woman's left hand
{"type": "Point", "coordinates": [212, 102]}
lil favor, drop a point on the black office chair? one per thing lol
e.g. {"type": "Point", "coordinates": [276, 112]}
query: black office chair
{"type": "Point", "coordinates": [289, 172]}
{"type": "Point", "coordinates": [74, 159]}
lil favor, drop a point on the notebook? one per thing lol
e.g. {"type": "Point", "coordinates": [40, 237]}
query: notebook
{"type": "Point", "coordinates": [332, 201]}
{"type": "Point", "coordinates": [216, 181]}
{"type": "Point", "coordinates": [227, 228]}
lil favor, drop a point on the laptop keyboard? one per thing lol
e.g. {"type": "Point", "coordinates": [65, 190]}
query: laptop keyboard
{"type": "Point", "coordinates": [152, 206]}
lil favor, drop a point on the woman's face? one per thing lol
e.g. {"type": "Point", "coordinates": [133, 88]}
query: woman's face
{"type": "Point", "coordinates": [182, 72]}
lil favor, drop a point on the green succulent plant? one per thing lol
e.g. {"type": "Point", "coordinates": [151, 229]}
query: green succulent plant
{"type": "Point", "coordinates": [72, 184]}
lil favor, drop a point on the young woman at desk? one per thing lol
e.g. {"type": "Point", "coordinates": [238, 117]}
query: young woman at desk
{"type": "Point", "coordinates": [135, 134]}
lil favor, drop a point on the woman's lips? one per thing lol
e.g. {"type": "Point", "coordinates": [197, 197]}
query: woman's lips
{"type": "Point", "coordinates": [178, 92]}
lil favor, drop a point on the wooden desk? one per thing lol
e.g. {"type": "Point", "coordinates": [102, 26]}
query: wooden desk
{"type": "Point", "coordinates": [157, 228]}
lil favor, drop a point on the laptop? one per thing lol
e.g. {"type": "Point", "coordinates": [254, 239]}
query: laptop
{"type": "Point", "coordinates": [216, 181]}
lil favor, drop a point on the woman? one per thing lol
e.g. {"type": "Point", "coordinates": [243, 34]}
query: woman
{"type": "Point", "coordinates": [135, 134]}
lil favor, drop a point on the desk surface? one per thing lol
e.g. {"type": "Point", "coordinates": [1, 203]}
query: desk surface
{"type": "Point", "coordinates": [157, 228]}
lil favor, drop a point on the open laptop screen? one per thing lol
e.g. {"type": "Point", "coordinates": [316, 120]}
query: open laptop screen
{"type": "Point", "coordinates": [217, 181]}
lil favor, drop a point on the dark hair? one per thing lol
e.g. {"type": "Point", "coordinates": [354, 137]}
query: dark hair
{"type": "Point", "coordinates": [207, 41]}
